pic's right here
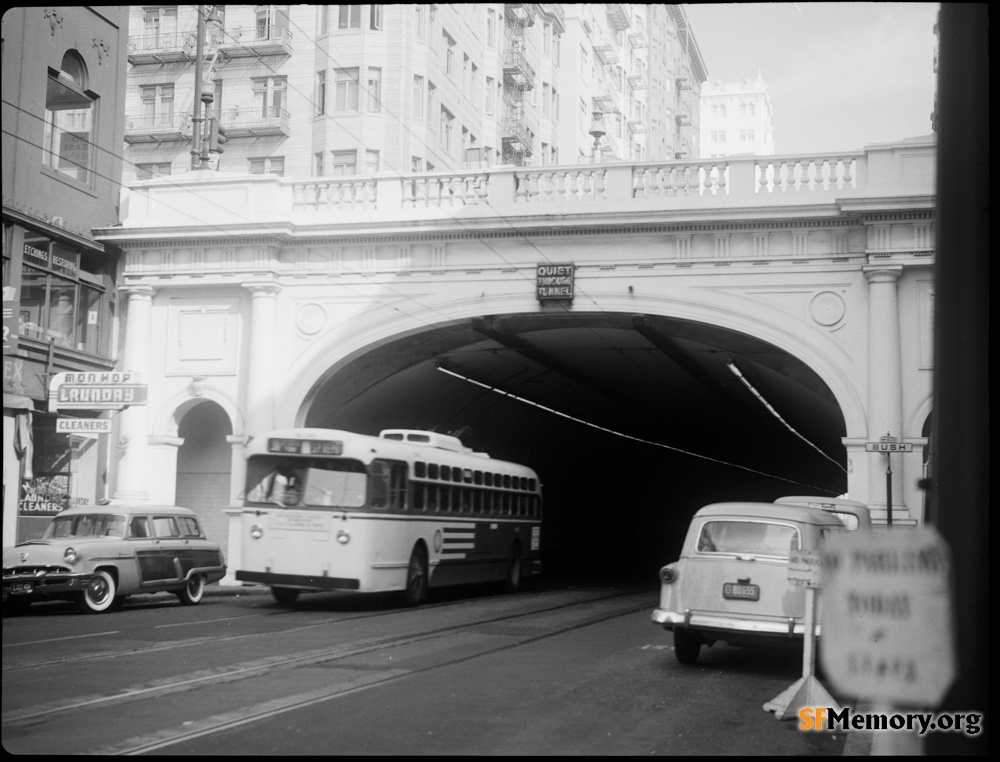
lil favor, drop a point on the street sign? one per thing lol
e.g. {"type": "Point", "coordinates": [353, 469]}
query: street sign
{"type": "Point", "coordinates": [83, 425]}
{"type": "Point", "coordinates": [886, 620]}
{"type": "Point", "coordinates": [804, 567]}
{"type": "Point", "coordinates": [888, 447]}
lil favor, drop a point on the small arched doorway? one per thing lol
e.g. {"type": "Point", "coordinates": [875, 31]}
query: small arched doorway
{"type": "Point", "coordinates": [204, 465]}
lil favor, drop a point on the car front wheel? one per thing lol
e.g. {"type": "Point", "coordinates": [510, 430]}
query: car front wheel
{"type": "Point", "coordinates": [687, 644]}
{"type": "Point", "coordinates": [99, 595]}
{"type": "Point", "coordinates": [193, 591]}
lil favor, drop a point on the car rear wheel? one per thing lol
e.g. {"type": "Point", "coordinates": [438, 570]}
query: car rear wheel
{"type": "Point", "coordinates": [416, 577]}
{"type": "Point", "coordinates": [687, 644]}
{"type": "Point", "coordinates": [192, 593]}
{"type": "Point", "coordinates": [286, 596]}
{"type": "Point", "coordinates": [99, 596]}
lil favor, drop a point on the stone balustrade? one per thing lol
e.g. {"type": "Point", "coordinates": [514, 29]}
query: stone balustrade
{"type": "Point", "coordinates": [895, 169]}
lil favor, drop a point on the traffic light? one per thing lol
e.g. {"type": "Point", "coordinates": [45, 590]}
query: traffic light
{"type": "Point", "coordinates": [216, 135]}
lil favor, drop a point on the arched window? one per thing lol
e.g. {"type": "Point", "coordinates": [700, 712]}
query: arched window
{"type": "Point", "coordinates": [69, 121]}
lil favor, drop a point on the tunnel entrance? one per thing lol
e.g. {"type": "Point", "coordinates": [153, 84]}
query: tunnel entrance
{"type": "Point", "coordinates": [632, 421]}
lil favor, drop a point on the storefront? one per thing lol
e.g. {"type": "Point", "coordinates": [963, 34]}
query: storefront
{"type": "Point", "coordinates": [58, 316]}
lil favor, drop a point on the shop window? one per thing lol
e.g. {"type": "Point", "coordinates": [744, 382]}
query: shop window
{"type": "Point", "coordinates": [69, 121]}
{"type": "Point", "coordinates": [64, 296]}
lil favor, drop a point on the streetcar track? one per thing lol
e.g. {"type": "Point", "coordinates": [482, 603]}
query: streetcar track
{"type": "Point", "coordinates": [228, 721]}
{"type": "Point", "coordinates": [31, 715]}
{"type": "Point", "coordinates": [63, 661]}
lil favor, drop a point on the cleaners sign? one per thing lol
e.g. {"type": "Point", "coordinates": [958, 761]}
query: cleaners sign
{"type": "Point", "coordinates": [554, 281]}
{"type": "Point", "coordinates": [96, 391]}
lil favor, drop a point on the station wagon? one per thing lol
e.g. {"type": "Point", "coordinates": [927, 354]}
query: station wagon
{"type": "Point", "coordinates": [855, 515]}
{"type": "Point", "coordinates": [100, 556]}
{"type": "Point", "coordinates": [731, 582]}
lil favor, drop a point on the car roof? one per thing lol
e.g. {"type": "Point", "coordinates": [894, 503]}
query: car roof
{"type": "Point", "coordinates": [127, 509]}
{"type": "Point", "coordinates": [818, 500]}
{"type": "Point", "coordinates": [798, 513]}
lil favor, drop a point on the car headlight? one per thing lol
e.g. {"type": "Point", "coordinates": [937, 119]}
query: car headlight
{"type": "Point", "coordinates": [256, 531]}
{"type": "Point", "coordinates": [668, 574]}
{"type": "Point", "coordinates": [70, 556]}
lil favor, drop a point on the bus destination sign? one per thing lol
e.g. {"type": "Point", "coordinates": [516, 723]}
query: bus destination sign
{"type": "Point", "coordinates": [554, 281]}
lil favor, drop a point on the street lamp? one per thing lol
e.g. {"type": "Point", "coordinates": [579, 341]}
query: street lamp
{"type": "Point", "coordinates": [597, 131]}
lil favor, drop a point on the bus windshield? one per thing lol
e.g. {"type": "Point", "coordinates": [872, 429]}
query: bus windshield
{"type": "Point", "coordinates": [307, 482]}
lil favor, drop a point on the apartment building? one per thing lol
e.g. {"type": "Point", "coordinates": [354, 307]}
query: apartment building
{"type": "Point", "coordinates": [736, 118]}
{"type": "Point", "coordinates": [326, 90]}
{"type": "Point", "coordinates": [63, 104]}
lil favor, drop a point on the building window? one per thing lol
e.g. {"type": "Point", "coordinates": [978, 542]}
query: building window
{"type": "Point", "coordinates": [418, 98]}
{"type": "Point", "coordinates": [346, 90]}
{"type": "Point", "coordinates": [349, 17]}
{"type": "Point", "coordinates": [272, 21]}
{"type": "Point", "coordinates": [64, 296]}
{"type": "Point", "coordinates": [449, 55]}
{"type": "Point", "coordinates": [159, 27]}
{"type": "Point", "coordinates": [447, 123]}
{"type": "Point", "coordinates": [491, 90]}
{"type": "Point", "coordinates": [491, 27]}
{"type": "Point", "coordinates": [146, 171]}
{"type": "Point", "coordinates": [320, 92]}
{"type": "Point", "coordinates": [416, 164]}
{"type": "Point", "coordinates": [269, 96]}
{"type": "Point", "coordinates": [372, 164]}
{"type": "Point", "coordinates": [374, 89]}
{"type": "Point", "coordinates": [375, 18]}
{"type": "Point", "coordinates": [746, 136]}
{"type": "Point", "coordinates": [421, 22]}
{"type": "Point", "coordinates": [324, 19]}
{"type": "Point", "coordinates": [318, 164]}
{"type": "Point", "coordinates": [157, 105]}
{"type": "Point", "coordinates": [267, 165]}
{"type": "Point", "coordinates": [345, 163]}
{"type": "Point", "coordinates": [69, 121]}
{"type": "Point", "coordinates": [546, 100]}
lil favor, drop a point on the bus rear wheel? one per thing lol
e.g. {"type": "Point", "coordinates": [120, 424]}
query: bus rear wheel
{"type": "Point", "coordinates": [286, 596]}
{"type": "Point", "coordinates": [416, 577]}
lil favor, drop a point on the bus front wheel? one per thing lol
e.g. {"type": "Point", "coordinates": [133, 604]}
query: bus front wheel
{"type": "Point", "coordinates": [515, 579]}
{"type": "Point", "coordinates": [416, 577]}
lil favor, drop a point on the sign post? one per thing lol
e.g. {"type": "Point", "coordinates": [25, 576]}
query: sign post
{"type": "Point", "coordinates": [807, 691]}
{"type": "Point", "coordinates": [888, 444]}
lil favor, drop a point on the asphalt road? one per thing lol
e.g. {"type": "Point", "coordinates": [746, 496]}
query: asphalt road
{"type": "Point", "coordinates": [569, 670]}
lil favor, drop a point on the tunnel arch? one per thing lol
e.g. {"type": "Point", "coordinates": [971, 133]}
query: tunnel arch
{"type": "Point", "coordinates": [815, 348]}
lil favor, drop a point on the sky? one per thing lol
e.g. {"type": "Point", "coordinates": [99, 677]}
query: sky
{"type": "Point", "coordinates": [840, 75]}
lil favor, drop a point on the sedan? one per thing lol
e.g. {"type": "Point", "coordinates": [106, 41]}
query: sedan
{"type": "Point", "coordinates": [731, 582]}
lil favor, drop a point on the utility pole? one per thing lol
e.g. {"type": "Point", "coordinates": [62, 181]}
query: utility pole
{"type": "Point", "coordinates": [204, 92]}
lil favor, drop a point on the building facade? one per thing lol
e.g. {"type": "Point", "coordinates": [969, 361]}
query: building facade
{"type": "Point", "coordinates": [64, 85]}
{"type": "Point", "coordinates": [316, 91]}
{"type": "Point", "coordinates": [736, 118]}
{"type": "Point", "coordinates": [263, 312]}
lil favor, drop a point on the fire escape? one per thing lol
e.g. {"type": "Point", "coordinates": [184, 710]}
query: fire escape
{"type": "Point", "coordinates": [518, 78]}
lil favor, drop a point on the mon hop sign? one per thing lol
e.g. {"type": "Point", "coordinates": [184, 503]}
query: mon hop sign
{"type": "Point", "coordinates": [96, 391]}
{"type": "Point", "coordinates": [886, 619]}
{"type": "Point", "coordinates": [554, 281]}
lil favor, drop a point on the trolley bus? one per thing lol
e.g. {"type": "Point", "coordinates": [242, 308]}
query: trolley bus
{"type": "Point", "coordinates": [404, 511]}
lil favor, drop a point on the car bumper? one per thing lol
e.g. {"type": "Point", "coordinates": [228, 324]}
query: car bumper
{"type": "Point", "coordinates": [718, 623]}
{"type": "Point", "coordinates": [44, 584]}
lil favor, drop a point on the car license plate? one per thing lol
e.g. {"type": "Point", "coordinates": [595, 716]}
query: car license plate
{"type": "Point", "coordinates": [21, 588]}
{"type": "Point", "coordinates": [735, 591]}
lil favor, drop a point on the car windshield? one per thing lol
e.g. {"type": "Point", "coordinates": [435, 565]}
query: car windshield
{"type": "Point", "coordinates": [748, 537]}
{"type": "Point", "coordinates": [303, 482]}
{"type": "Point", "coordinates": [87, 525]}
